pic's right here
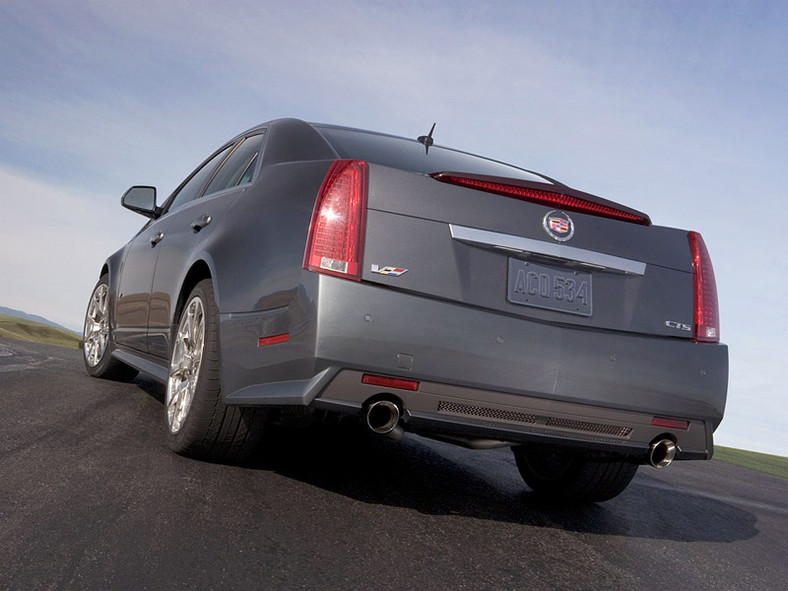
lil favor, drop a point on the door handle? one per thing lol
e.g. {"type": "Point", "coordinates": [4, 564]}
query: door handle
{"type": "Point", "coordinates": [156, 238]}
{"type": "Point", "coordinates": [201, 222]}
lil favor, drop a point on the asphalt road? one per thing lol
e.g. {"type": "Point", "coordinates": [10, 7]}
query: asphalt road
{"type": "Point", "coordinates": [91, 499]}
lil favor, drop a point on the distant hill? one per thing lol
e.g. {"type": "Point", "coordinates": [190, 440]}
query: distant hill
{"type": "Point", "coordinates": [24, 329]}
{"type": "Point", "coordinates": [33, 317]}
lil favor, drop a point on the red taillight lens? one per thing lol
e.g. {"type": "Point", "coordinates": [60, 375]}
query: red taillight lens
{"type": "Point", "coordinates": [549, 198]}
{"type": "Point", "coordinates": [336, 235]}
{"type": "Point", "coordinates": [707, 315]}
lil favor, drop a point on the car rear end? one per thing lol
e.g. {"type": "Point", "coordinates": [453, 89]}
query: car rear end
{"type": "Point", "coordinates": [486, 308]}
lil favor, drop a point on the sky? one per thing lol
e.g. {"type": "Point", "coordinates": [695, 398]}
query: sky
{"type": "Point", "coordinates": [675, 108]}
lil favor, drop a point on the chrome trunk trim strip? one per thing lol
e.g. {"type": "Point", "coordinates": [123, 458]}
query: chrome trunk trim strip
{"type": "Point", "coordinates": [541, 249]}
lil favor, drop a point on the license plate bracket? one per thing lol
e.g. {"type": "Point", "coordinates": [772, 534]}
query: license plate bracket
{"type": "Point", "coordinates": [551, 288]}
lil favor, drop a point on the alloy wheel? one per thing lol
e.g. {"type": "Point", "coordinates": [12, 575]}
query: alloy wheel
{"type": "Point", "coordinates": [187, 355]}
{"type": "Point", "coordinates": [95, 334]}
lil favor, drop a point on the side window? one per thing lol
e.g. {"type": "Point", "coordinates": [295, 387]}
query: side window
{"type": "Point", "coordinates": [191, 190]}
{"type": "Point", "coordinates": [239, 167]}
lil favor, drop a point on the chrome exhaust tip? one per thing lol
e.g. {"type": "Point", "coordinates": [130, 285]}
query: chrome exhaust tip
{"type": "Point", "coordinates": [383, 417]}
{"type": "Point", "coordinates": [662, 453]}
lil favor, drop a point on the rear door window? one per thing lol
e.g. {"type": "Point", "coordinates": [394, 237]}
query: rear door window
{"type": "Point", "coordinates": [193, 187]}
{"type": "Point", "coordinates": [239, 168]}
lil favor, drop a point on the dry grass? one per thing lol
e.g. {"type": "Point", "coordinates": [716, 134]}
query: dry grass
{"type": "Point", "coordinates": [775, 465]}
{"type": "Point", "coordinates": [26, 330]}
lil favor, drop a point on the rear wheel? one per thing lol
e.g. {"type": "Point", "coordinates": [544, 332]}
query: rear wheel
{"type": "Point", "coordinates": [199, 424]}
{"type": "Point", "coordinates": [567, 476]}
{"type": "Point", "coordinates": [97, 339]}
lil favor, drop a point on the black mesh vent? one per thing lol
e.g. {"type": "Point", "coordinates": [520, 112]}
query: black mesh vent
{"type": "Point", "coordinates": [532, 419]}
{"type": "Point", "coordinates": [487, 413]}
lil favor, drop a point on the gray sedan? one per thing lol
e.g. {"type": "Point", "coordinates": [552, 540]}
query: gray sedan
{"type": "Point", "coordinates": [311, 272]}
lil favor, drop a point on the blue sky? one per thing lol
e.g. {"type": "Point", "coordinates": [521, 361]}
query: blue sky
{"type": "Point", "coordinates": [676, 108]}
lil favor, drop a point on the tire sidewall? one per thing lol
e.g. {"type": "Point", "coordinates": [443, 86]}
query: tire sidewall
{"type": "Point", "coordinates": [208, 390]}
{"type": "Point", "coordinates": [553, 485]}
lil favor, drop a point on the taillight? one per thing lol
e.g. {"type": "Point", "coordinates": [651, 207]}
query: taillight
{"type": "Point", "coordinates": [707, 315]}
{"type": "Point", "coordinates": [336, 234]}
{"type": "Point", "coordinates": [600, 207]}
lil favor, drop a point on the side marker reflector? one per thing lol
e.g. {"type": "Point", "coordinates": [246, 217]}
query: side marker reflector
{"type": "Point", "coordinates": [273, 340]}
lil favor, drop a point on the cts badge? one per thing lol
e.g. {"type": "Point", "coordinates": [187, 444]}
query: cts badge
{"type": "Point", "coordinates": [558, 225]}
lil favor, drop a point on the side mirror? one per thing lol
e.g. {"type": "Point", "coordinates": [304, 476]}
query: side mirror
{"type": "Point", "coordinates": [142, 200]}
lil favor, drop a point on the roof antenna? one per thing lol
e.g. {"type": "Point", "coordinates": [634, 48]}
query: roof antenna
{"type": "Point", "coordinates": [427, 140]}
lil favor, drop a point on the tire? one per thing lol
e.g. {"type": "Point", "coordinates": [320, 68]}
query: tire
{"type": "Point", "coordinates": [568, 477]}
{"type": "Point", "coordinates": [199, 424]}
{"type": "Point", "coordinates": [97, 338]}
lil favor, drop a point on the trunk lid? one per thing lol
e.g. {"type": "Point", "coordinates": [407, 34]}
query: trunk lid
{"type": "Point", "coordinates": [525, 259]}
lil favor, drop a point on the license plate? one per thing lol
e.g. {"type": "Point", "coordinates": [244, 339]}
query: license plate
{"type": "Point", "coordinates": [551, 288]}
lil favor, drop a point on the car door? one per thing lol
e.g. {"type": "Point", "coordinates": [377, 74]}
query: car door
{"type": "Point", "coordinates": [133, 303]}
{"type": "Point", "coordinates": [133, 300]}
{"type": "Point", "coordinates": [189, 238]}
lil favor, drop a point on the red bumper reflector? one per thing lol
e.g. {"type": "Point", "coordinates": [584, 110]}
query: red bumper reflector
{"type": "Point", "coordinates": [670, 423]}
{"type": "Point", "coordinates": [397, 383]}
{"type": "Point", "coordinates": [273, 340]}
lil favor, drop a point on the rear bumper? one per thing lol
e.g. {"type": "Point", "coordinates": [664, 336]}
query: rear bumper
{"type": "Point", "coordinates": [481, 374]}
{"type": "Point", "coordinates": [479, 416]}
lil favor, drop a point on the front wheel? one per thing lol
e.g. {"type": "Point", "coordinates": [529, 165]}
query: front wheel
{"type": "Point", "coordinates": [568, 477]}
{"type": "Point", "coordinates": [97, 339]}
{"type": "Point", "coordinates": [199, 424]}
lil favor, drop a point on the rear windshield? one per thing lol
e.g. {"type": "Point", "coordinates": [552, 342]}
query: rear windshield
{"type": "Point", "coordinates": [407, 154]}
